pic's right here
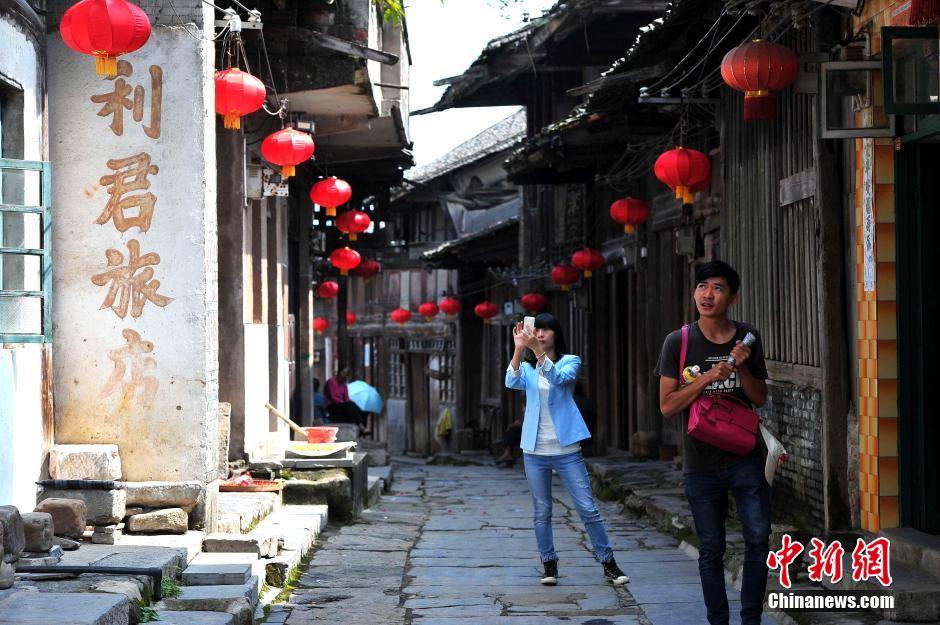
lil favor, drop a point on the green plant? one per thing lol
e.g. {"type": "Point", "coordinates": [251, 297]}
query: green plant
{"type": "Point", "coordinates": [149, 614]}
{"type": "Point", "coordinates": [287, 474]}
{"type": "Point", "coordinates": [170, 587]}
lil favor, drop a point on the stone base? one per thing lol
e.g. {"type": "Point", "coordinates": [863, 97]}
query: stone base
{"type": "Point", "coordinates": [12, 536]}
{"type": "Point", "coordinates": [103, 507]}
{"type": "Point", "coordinates": [37, 529]}
{"type": "Point", "coordinates": [330, 486]}
{"type": "Point", "coordinates": [7, 577]}
{"type": "Point", "coordinates": [85, 462]}
{"type": "Point", "coordinates": [29, 558]}
{"type": "Point", "coordinates": [69, 516]}
{"type": "Point", "coordinates": [168, 521]}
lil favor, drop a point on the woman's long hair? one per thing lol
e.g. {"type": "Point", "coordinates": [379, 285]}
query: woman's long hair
{"type": "Point", "coordinates": [546, 321]}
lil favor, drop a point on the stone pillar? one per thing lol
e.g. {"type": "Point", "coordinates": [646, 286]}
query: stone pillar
{"type": "Point", "coordinates": [135, 262]}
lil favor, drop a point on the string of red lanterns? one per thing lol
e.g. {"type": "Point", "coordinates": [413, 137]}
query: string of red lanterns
{"type": "Point", "coordinates": [565, 275]}
{"type": "Point", "coordinates": [353, 223]}
{"type": "Point", "coordinates": [587, 260]}
{"type": "Point", "coordinates": [350, 318]}
{"type": "Point", "coordinates": [237, 93]}
{"type": "Point", "coordinates": [367, 268]}
{"type": "Point", "coordinates": [486, 311]}
{"type": "Point", "coordinates": [320, 325]}
{"type": "Point", "coordinates": [684, 171]}
{"type": "Point", "coordinates": [401, 316]}
{"type": "Point", "coordinates": [451, 307]}
{"type": "Point", "coordinates": [759, 68]}
{"type": "Point", "coordinates": [330, 193]}
{"type": "Point", "coordinates": [345, 259]}
{"type": "Point", "coordinates": [534, 302]}
{"type": "Point", "coordinates": [328, 290]}
{"type": "Point", "coordinates": [428, 310]}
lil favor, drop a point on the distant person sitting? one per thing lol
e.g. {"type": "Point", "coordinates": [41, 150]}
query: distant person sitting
{"type": "Point", "coordinates": [341, 409]}
{"type": "Point", "coordinates": [320, 414]}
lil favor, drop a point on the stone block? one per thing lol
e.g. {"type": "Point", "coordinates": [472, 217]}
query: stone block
{"type": "Point", "coordinates": [105, 538]}
{"type": "Point", "coordinates": [261, 545]}
{"type": "Point", "coordinates": [67, 544]}
{"type": "Point", "coordinates": [82, 608]}
{"type": "Point", "coordinates": [220, 574]}
{"type": "Point", "coordinates": [346, 432]}
{"type": "Point", "coordinates": [331, 487]}
{"type": "Point", "coordinates": [14, 540]}
{"type": "Point", "coordinates": [172, 617]}
{"type": "Point", "coordinates": [85, 462]}
{"type": "Point", "coordinates": [225, 427]}
{"type": "Point", "coordinates": [47, 558]}
{"type": "Point", "coordinates": [69, 516]}
{"type": "Point", "coordinates": [37, 530]}
{"type": "Point", "coordinates": [161, 495]}
{"type": "Point", "coordinates": [102, 507]}
{"type": "Point", "coordinates": [6, 576]}
{"type": "Point", "coordinates": [167, 521]}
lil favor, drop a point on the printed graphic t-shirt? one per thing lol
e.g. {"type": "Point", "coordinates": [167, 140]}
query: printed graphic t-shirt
{"type": "Point", "coordinates": [699, 455]}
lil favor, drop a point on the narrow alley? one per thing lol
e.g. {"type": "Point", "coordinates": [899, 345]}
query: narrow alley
{"type": "Point", "coordinates": [453, 545]}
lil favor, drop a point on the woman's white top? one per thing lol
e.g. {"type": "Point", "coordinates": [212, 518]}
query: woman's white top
{"type": "Point", "coordinates": [546, 443]}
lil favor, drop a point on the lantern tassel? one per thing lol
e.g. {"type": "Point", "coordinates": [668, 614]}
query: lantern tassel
{"type": "Point", "coordinates": [353, 236]}
{"type": "Point", "coordinates": [343, 272]}
{"type": "Point", "coordinates": [688, 197]}
{"type": "Point", "coordinates": [287, 171]}
{"type": "Point", "coordinates": [588, 273]}
{"type": "Point", "coordinates": [331, 211]}
{"type": "Point", "coordinates": [760, 106]}
{"type": "Point", "coordinates": [629, 229]}
{"type": "Point", "coordinates": [232, 121]}
{"type": "Point", "coordinates": [564, 287]}
{"type": "Point", "coordinates": [106, 65]}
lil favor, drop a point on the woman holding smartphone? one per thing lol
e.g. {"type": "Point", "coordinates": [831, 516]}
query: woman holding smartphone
{"type": "Point", "coordinates": [551, 430]}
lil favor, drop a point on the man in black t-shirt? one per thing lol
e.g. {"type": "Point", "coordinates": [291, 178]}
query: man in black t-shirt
{"type": "Point", "coordinates": [710, 472]}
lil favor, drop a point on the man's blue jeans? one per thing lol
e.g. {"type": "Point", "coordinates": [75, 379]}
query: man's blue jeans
{"type": "Point", "coordinates": [574, 476]}
{"type": "Point", "coordinates": [708, 496]}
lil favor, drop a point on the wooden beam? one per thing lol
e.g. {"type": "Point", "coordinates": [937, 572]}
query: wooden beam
{"type": "Point", "coordinates": [322, 41]}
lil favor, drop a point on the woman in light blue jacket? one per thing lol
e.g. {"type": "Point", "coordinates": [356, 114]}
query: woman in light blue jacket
{"type": "Point", "coordinates": [551, 431]}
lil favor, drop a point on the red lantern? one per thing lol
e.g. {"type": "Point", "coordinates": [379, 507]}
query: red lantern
{"type": "Point", "coordinates": [105, 29]}
{"type": "Point", "coordinates": [486, 311]}
{"type": "Point", "coordinates": [350, 318]}
{"type": "Point", "coordinates": [367, 268]}
{"type": "Point", "coordinates": [287, 148]}
{"type": "Point", "coordinates": [588, 261]}
{"type": "Point", "coordinates": [401, 316]}
{"type": "Point", "coordinates": [683, 170]}
{"type": "Point", "coordinates": [534, 302]}
{"type": "Point", "coordinates": [758, 68]}
{"type": "Point", "coordinates": [630, 212]}
{"type": "Point", "coordinates": [345, 259]}
{"type": "Point", "coordinates": [428, 310]}
{"type": "Point", "coordinates": [451, 307]}
{"type": "Point", "coordinates": [353, 222]}
{"type": "Point", "coordinates": [565, 276]}
{"type": "Point", "coordinates": [328, 290]}
{"type": "Point", "coordinates": [320, 325]}
{"type": "Point", "coordinates": [237, 93]}
{"type": "Point", "coordinates": [330, 193]}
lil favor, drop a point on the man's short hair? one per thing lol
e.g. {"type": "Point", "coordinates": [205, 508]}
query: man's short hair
{"type": "Point", "coordinates": [719, 269]}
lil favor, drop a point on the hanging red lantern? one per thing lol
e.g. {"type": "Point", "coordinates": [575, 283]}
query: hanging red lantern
{"type": "Point", "coordinates": [401, 316]}
{"type": "Point", "coordinates": [758, 68]}
{"type": "Point", "coordinates": [353, 223]}
{"type": "Point", "coordinates": [345, 259]}
{"type": "Point", "coordinates": [320, 325]}
{"type": "Point", "coordinates": [630, 212]}
{"type": "Point", "coordinates": [486, 311]}
{"type": "Point", "coordinates": [534, 302]}
{"type": "Point", "coordinates": [428, 310]}
{"type": "Point", "coordinates": [565, 276]}
{"type": "Point", "coordinates": [451, 307]}
{"type": "Point", "coordinates": [288, 148]}
{"type": "Point", "coordinates": [588, 261]}
{"type": "Point", "coordinates": [237, 93]}
{"type": "Point", "coordinates": [328, 290]}
{"type": "Point", "coordinates": [367, 268]}
{"type": "Point", "coordinates": [330, 193]}
{"type": "Point", "coordinates": [105, 29]}
{"type": "Point", "coordinates": [683, 170]}
{"type": "Point", "coordinates": [350, 318]}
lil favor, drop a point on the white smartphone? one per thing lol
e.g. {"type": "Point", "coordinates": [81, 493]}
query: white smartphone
{"type": "Point", "coordinates": [528, 325]}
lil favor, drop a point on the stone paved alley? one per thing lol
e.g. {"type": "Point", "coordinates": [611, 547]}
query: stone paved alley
{"type": "Point", "coordinates": [454, 546]}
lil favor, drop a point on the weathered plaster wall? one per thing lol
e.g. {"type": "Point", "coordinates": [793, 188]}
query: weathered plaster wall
{"type": "Point", "coordinates": [21, 436]}
{"type": "Point", "coordinates": [144, 377]}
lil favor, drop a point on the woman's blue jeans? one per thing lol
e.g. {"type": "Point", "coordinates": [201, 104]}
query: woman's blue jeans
{"type": "Point", "coordinates": [574, 476]}
{"type": "Point", "coordinates": [708, 497]}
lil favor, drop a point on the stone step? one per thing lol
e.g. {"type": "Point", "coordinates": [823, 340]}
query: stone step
{"type": "Point", "coordinates": [299, 526]}
{"type": "Point", "coordinates": [915, 548]}
{"type": "Point", "coordinates": [916, 596]}
{"type": "Point", "coordinates": [374, 491]}
{"type": "Point", "coordinates": [173, 617]}
{"type": "Point", "coordinates": [262, 544]}
{"type": "Point", "coordinates": [34, 608]}
{"type": "Point", "coordinates": [237, 600]}
{"type": "Point", "coordinates": [239, 512]}
{"type": "Point", "coordinates": [232, 573]}
{"type": "Point", "coordinates": [257, 565]}
{"type": "Point", "coordinates": [386, 474]}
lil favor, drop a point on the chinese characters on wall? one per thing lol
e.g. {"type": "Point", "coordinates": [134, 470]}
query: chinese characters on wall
{"type": "Point", "coordinates": [129, 279]}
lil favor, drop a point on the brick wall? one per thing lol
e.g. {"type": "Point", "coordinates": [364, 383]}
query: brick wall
{"type": "Point", "coordinates": [793, 414]}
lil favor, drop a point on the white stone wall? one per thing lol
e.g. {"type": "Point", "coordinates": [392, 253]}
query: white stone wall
{"type": "Point", "coordinates": [21, 438]}
{"type": "Point", "coordinates": [144, 373]}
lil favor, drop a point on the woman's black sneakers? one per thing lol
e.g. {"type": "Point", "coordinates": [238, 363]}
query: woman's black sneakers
{"type": "Point", "coordinates": [613, 573]}
{"type": "Point", "coordinates": [550, 575]}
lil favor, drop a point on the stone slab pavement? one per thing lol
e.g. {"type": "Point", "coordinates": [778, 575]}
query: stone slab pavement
{"type": "Point", "coordinates": [455, 546]}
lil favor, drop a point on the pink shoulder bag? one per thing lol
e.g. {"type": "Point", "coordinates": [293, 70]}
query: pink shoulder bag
{"type": "Point", "coordinates": [720, 420]}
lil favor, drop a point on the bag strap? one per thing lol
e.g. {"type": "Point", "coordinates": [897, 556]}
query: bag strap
{"type": "Point", "coordinates": [685, 349]}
